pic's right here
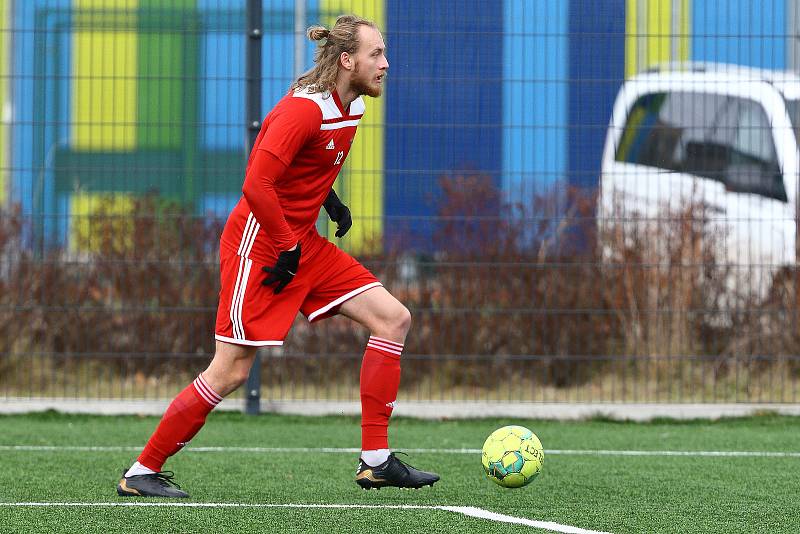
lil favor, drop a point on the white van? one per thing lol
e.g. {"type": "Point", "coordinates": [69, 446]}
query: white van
{"type": "Point", "coordinates": [720, 136]}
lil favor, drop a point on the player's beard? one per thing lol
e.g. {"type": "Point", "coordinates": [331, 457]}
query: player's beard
{"type": "Point", "coordinates": [362, 85]}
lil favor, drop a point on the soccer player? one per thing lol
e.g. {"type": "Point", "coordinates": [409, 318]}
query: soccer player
{"type": "Point", "coordinates": [273, 263]}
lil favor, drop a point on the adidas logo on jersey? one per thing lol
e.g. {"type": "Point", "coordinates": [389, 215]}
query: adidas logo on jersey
{"type": "Point", "coordinates": [330, 146]}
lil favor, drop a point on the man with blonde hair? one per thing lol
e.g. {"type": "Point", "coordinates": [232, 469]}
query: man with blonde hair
{"type": "Point", "coordinates": [273, 263]}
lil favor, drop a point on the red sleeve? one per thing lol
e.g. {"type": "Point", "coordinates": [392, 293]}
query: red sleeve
{"type": "Point", "coordinates": [259, 190]}
{"type": "Point", "coordinates": [291, 125]}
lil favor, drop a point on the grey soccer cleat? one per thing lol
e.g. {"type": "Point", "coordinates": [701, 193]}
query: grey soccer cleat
{"type": "Point", "coordinates": [393, 473]}
{"type": "Point", "coordinates": [154, 485]}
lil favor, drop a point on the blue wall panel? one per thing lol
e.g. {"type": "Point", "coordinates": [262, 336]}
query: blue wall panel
{"type": "Point", "coordinates": [444, 106]}
{"type": "Point", "coordinates": [222, 77]}
{"type": "Point", "coordinates": [743, 32]}
{"type": "Point", "coordinates": [596, 70]}
{"type": "Point", "coordinates": [222, 80]}
{"type": "Point", "coordinates": [535, 51]}
{"type": "Point", "coordinates": [40, 66]}
{"type": "Point", "coordinates": [222, 64]}
{"type": "Point", "coordinates": [23, 80]}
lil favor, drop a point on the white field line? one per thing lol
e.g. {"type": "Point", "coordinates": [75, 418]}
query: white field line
{"type": "Point", "coordinates": [464, 510]}
{"type": "Point", "coordinates": [351, 450]}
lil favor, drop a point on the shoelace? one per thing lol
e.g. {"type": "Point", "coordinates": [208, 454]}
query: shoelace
{"type": "Point", "coordinates": [165, 478]}
{"type": "Point", "coordinates": [404, 464]}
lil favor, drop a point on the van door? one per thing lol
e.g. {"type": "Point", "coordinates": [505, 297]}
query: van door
{"type": "Point", "coordinates": [758, 213]}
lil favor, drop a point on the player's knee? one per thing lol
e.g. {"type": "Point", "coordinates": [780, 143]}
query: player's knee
{"type": "Point", "coordinates": [230, 367]}
{"type": "Point", "coordinates": [230, 382]}
{"type": "Point", "coordinates": [400, 321]}
{"type": "Point", "coordinates": [238, 377]}
{"type": "Point", "coordinates": [404, 319]}
{"type": "Point", "coordinates": [226, 380]}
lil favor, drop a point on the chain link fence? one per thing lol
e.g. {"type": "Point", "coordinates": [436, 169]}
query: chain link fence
{"type": "Point", "coordinates": [578, 201]}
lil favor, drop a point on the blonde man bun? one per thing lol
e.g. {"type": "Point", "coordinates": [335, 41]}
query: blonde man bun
{"type": "Point", "coordinates": [318, 33]}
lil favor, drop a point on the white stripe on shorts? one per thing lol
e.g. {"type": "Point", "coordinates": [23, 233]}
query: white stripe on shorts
{"type": "Point", "coordinates": [237, 333]}
{"type": "Point", "coordinates": [248, 343]}
{"type": "Point", "coordinates": [249, 233]}
{"type": "Point", "coordinates": [245, 233]}
{"type": "Point", "coordinates": [313, 315]}
{"type": "Point", "coordinates": [256, 228]}
{"type": "Point", "coordinates": [248, 263]}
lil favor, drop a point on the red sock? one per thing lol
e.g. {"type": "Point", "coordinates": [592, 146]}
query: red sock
{"type": "Point", "coordinates": [183, 419]}
{"type": "Point", "coordinates": [380, 380]}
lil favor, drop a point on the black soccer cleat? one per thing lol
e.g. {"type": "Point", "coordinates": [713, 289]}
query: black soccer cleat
{"type": "Point", "coordinates": [392, 473]}
{"type": "Point", "coordinates": [155, 485]}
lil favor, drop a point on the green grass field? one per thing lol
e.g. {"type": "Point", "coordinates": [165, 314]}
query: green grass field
{"type": "Point", "coordinates": [664, 476]}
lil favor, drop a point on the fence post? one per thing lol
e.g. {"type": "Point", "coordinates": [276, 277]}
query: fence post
{"type": "Point", "coordinates": [255, 19]}
{"type": "Point", "coordinates": [299, 37]}
{"type": "Point", "coordinates": [252, 404]}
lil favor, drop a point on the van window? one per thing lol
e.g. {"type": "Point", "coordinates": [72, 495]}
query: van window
{"type": "Point", "coordinates": [685, 132]}
{"type": "Point", "coordinates": [708, 131]}
{"type": "Point", "coordinates": [753, 165]}
{"type": "Point", "coordinates": [723, 138]}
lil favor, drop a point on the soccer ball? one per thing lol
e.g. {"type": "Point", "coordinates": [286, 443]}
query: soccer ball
{"type": "Point", "coordinates": [512, 456]}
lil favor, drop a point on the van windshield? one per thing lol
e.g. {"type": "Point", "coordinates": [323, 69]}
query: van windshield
{"type": "Point", "coordinates": [794, 112]}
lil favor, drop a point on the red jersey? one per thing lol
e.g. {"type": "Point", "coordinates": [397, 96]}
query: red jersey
{"type": "Point", "coordinates": [311, 134]}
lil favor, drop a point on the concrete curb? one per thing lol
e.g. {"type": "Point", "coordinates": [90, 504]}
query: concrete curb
{"type": "Point", "coordinates": [421, 409]}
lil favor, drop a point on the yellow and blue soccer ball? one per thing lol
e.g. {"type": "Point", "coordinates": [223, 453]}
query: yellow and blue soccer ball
{"type": "Point", "coordinates": [512, 456]}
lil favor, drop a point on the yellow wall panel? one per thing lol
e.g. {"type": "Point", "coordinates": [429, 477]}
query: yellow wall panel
{"type": "Point", "coordinates": [105, 66]}
{"type": "Point", "coordinates": [657, 31]}
{"type": "Point", "coordinates": [632, 37]}
{"type": "Point", "coordinates": [360, 185]}
{"type": "Point", "coordinates": [685, 29]}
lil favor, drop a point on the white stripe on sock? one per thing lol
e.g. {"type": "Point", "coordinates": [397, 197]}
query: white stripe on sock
{"type": "Point", "coordinates": [384, 349]}
{"type": "Point", "coordinates": [398, 346]}
{"type": "Point", "coordinates": [205, 393]}
{"type": "Point", "coordinates": [202, 393]}
{"type": "Point", "coordinates": [210, 390]}
{"type": "Point", "coordinates": [395, 348]}
{"type": "Point", "coordinates": [389, 347]}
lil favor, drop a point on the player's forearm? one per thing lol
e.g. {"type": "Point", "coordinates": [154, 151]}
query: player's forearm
{"type": "Point", "coordinates": [259, 191]}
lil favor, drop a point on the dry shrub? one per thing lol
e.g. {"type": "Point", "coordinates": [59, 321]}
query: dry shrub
{"type": "Point", "coordinates": [663, 281]}
{"type": "Point", "coordinates": [501, 298]}
{"type": "Point", "coordinates": [133, 302]}
{"type": "Point", "coordinates": [10, 316]}
{"type": "Point", "coordinates": [774, 324]}
{"type": "Point", "coordinates": [682, 305]}
{"type": "Point", "coordinates": [506, 297]}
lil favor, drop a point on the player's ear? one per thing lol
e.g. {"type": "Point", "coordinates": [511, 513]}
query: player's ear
{"type": "Point", "coordinates": [346, 61]}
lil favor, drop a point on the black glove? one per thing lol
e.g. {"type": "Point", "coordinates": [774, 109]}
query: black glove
{"type": "Point", "coordinates": [284, 270]}
{"type": "Point", "coordinates": [338, 212]}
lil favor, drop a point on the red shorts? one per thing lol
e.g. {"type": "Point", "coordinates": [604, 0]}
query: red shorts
{"type": "Point", "coordinates": [252, 314]}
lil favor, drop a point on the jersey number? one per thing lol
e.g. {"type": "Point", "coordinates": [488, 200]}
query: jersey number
{"type": "Point", "coordinates": [339, 157]}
